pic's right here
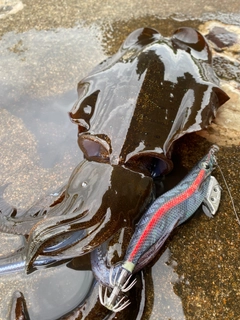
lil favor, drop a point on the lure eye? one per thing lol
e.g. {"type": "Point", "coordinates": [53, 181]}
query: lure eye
{"type": "Point", "coordinates": [205, 165]}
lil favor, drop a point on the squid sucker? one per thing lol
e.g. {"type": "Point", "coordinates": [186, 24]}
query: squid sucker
{"type": "Point", "coordinates": [167, 212]}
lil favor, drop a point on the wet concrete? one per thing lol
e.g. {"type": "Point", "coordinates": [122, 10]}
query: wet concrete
{"type": "Point", "coordinates": [46, 48]}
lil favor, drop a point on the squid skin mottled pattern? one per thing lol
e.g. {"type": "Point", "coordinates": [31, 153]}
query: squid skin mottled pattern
{"type": "Point", "coordinates": [171, 209]}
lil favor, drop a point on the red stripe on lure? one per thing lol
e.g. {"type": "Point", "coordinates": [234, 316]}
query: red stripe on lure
{"type": "Point", "coordinates": [165, 208]}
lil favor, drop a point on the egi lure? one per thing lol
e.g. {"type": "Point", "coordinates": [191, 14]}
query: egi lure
{"type": "Point", "coordinates": [166, 212]}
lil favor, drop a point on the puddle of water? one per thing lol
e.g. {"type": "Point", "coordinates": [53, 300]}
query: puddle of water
{"type": "Point", "coordinates": [39, 71]}
{"type": "Point", "coordinates": [166, 304]}
{"type": "Point", "coordinates": [49, 293]}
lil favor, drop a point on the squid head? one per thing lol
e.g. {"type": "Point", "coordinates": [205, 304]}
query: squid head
{"type": "Point", "coordinates": [150, 93]}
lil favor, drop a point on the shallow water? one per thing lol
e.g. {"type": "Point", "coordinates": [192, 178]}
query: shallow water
{"type": "Point", "coordinates": [52, 292]}
{"type": "Point", "coordinates": [197, 276]}
{"type": "Point", "coordinates": [38, 87]}
{"type": "Point", "coordinates": [38, 146]}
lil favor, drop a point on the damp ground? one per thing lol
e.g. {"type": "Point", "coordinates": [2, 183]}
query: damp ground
{"type": "Point", "coordinates": [46, 48]}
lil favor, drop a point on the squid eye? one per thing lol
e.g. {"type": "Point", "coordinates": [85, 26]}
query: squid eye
{"type": "Point", "coordinates": [94, 147]}
{"type": "Point", "coordinates": [205, 165]}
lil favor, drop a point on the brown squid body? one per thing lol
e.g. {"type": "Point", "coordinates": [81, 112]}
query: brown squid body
{"type": "Point", "coordinates": [131, 108]}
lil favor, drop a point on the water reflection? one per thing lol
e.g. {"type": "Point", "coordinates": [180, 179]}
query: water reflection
{"type": "Point", "coordinates": [39, 71]}
{"type": "Point", "coordinates": [49, 293]}
{"type": "Point", "coordinates": [167, 305]}
{"type": "Point", "coordinates": [38, 76]}
{"type": "Point", "coordinates": [46, 118]}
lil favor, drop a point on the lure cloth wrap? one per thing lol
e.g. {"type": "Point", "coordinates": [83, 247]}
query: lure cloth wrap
{"type": "Point", "coordinates": [168, 211]}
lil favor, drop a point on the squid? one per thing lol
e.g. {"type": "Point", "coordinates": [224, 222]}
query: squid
{"type": "Point", "coordinates": [131, 109]}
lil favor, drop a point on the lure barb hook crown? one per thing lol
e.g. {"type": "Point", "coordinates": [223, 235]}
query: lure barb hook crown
{"type": "Point", "coordinates": [120, 283]}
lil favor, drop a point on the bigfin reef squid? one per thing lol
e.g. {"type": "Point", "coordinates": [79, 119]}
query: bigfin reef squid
{"type": "Point", "coordinates": [130, 110]}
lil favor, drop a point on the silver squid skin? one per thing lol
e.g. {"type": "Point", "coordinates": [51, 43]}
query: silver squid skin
{"type": "Point", "coordinates": [166, 212]}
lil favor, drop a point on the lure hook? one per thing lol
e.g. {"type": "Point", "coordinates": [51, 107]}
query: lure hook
{"type": "Point", "coordinates": [119, 283]}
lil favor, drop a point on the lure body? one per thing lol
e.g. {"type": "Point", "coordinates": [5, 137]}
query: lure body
{"type": "Point", "coordinates": [168, 211]}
